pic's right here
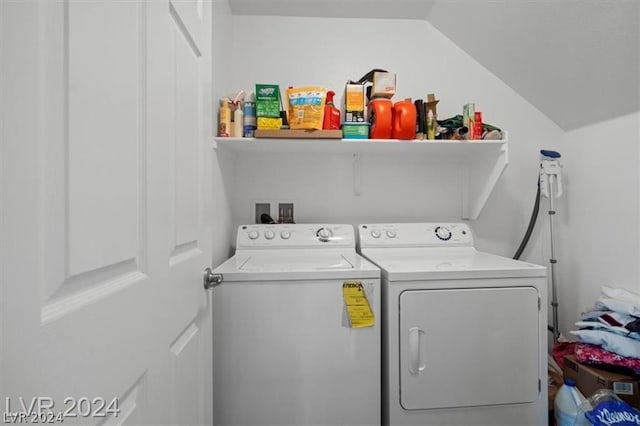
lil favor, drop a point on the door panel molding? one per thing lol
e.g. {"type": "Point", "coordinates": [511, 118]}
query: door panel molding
{"type": "Point", "coordinates": [91, 251]}
{"type": "Point", "coordinates": [105, 135]}
{"type": "Point", "coordinates": [188, 17]}
{"type": "Point", "coordinates": [187, 144]}
{"type": "Point", "coordinates": [128, 402]}
{"type": "Point", "coordinates": [90, 288]}
{"type": "Point", "coordinates": [183, 340]}
{"type": "Point", "coordinates": [185, 353]}
{"type": "Point", "coordinates": [184, 252]}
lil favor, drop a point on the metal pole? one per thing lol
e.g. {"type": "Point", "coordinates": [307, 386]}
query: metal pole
{"type": "Point", "coordinates": [553, 261]}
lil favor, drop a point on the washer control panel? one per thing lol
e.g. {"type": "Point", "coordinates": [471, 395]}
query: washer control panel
{"type": "Point", "coordinates": [415, 235]}
{"type": "Point", "coordinates": [295, 236]}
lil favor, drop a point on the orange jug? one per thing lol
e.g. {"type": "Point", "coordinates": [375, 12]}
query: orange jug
{"type": "Point", "coordinates": [404, 120]}
{"type": "Point", "coordinates": [381, 118]}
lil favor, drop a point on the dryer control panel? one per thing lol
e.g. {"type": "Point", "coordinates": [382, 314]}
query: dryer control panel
{"type": "Point", "coordinates": [295, 236]}
{"type": "Point", "coordinates": [415, 235]}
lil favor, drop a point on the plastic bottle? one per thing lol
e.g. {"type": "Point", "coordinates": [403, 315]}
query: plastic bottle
{"type": "Point", "coordinates": [605, 407]}
{"type": "Point", "coordinates": [567, 403]}
{"type": "Point", "coordinates": [431, 125]}
{"type": "Point", "coordinates": [249, 119]}
{"type": "Point", "coordinates": [224, 128]}
{"type": "Point", "coordinates": [331, 120]}
{"type": "Point", "coordinates": [404, 120]}
{"type": "Point", "coordinates": [380, 113]}
{"type": "Point", "coordinates": [238, 122]}
{"type": "Point", "coordinates": [477, 132]}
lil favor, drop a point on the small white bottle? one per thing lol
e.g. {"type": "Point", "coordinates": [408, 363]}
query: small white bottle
{"type": "Point", "coordinates": [567, 403]}
{"type": "Point", "coordinates": [238, 122]}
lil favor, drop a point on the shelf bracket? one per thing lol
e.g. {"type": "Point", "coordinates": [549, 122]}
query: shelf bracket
{"type": "Point", "coordinates": [356, 175]}
{"type": "Point", "coordinates": [479, 178]}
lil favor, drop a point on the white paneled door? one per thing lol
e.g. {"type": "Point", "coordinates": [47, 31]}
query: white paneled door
{"type": "Point", "coordinates": [105, 204]}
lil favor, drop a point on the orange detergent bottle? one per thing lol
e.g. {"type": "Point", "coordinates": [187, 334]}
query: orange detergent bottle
{"type": "Point", "coordinates": [404, 120]}
{"type": "Point", "coordinates": [381, 118]}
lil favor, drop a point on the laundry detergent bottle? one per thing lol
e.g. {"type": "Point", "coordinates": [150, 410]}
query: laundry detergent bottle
{"type": "Point", "coordinates": [380, 113]}
{"type": "Point", "coordinates": [404, 120]}
{"type": "Point", "coordinates": [567, 404]}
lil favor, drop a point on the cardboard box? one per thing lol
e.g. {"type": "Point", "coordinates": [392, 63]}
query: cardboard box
{"type": "Point", "coordinates": [267, 100]}
{"type": "Point", "coordinates": [355, 130]}
{"type": "Point", "coordinates": [298, 134]}
{"type": "Point", "coordinates": [590, 379]}
{"type": "Point", "coordinates": [384, 85]}
{"type": "Point", "coordinates": [354, 105]}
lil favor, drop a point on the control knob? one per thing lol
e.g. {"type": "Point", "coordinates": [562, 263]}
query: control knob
{"type": "Point", "coordinates": [269, 235]}
{"type": "Point", "coordinates": [253, 235]}
{"type": "Point", "coordinates": [285, 235]}
{"type": "Point", "coordinates": [443, 233]}
{"type": "Point", "coordinates": [324, 234]}
{"type": "Point", "coordinates": [391, 233]}
{"type": "Point", "coordinates": [375, 233]}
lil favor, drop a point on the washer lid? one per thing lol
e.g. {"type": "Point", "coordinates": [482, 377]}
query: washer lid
{"type": "Point", "coordinates": [409, 264]}
{"type": "Point", "coordinates": [283, 262]}
{"type": "Point", "coordinates": [254, 265]}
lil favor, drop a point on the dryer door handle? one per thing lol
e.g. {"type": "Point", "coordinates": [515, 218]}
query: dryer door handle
{"type": "Point", "coordinates": [415, 364]}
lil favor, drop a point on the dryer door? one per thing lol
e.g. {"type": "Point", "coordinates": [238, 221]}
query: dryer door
{"type": "Point", "coordinates": [469, 347]}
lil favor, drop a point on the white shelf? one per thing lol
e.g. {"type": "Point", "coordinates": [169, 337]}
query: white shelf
{"type": "Point", "coordinates": [480, 162]}
{"type": "Point", "coordinates": [360, 146]}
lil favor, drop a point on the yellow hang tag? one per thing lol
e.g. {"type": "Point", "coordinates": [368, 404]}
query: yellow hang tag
{"type": "Point", "coordinates": [358, 308]}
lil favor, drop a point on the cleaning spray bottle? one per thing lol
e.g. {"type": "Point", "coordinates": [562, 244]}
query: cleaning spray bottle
{"type": "Point", "coordinates": [249, 113]}
{"type": "Point", "coordinates": [331, 119]}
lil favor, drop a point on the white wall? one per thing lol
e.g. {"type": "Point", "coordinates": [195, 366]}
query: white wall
{"type": "Point", "coordinates": [330, 51]}
{"type": "Point", "coordinates": [223, 231]}
{"type": "Point", "coordinates": [599, 220]}
{"type": "Point", "coordinates": [598, 212]}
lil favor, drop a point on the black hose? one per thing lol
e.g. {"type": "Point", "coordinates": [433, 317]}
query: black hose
{"type": "Point", "coordinates": [532, 223]}
{"type": "Point", "coordinates": [265, 218]}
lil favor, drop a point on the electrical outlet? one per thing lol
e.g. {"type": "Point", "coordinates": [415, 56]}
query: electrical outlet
{"type": "Point", "coordinates": [281, 211]}
{"type": "Point", "coordinates": [285, 212]}
{"type": "Point", "coordinates": [261, 208]}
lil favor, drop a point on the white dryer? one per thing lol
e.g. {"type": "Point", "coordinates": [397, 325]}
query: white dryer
{"type": "Point", "coordinates": [464, 332]}
{"type": "Point", "coordinates": [296, 329]}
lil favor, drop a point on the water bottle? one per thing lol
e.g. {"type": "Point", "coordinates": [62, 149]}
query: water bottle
{"type": "Point", "coordinates": [567, 404]}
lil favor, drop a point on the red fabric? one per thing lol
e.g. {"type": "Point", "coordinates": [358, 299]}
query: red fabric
{"type": "Point", "coordinates": [560, 350]}
{"type": "Point", "coordinates": [592, 354]}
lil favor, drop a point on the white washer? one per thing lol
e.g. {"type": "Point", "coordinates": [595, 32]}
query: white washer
{"type": "Point", "coordinates": [285, 352]}
{"type": "Point", "coordinates": [464, 332]}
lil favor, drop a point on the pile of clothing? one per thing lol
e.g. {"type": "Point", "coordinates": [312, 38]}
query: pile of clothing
{"type": "Point", "coordinates": [610, 333]}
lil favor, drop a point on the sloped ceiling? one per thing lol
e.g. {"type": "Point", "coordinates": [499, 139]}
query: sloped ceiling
{"type": "Point", "coordinates": [577, 61]}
